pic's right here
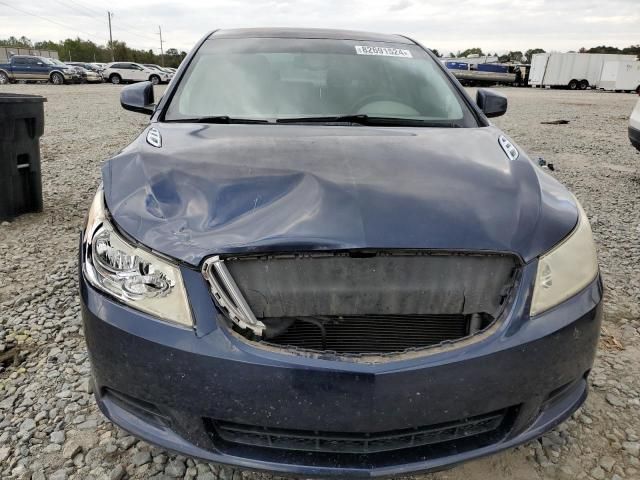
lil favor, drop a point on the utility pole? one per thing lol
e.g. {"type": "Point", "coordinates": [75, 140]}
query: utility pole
{"type": "Point", "coordinates": [161, 49]}
{"type": "Point", "coordinates": [109, 15]}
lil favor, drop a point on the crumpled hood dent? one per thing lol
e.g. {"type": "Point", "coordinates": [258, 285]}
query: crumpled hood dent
{"type": "Point", "coordinates": [215, 189]}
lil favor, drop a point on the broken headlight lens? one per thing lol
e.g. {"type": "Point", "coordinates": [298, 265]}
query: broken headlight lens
{"type": "Point", "coordinates": [568, 268]}
{"type": "Point", "coordinates": [135, 276]}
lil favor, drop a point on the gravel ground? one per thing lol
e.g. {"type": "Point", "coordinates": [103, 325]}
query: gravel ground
{"type": "Point", "coordinates": [49, 424]}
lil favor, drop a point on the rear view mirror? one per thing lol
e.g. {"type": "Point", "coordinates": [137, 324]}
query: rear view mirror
{"type": "Point", "coordinates": [491, 103]}
{"type": "Point", "coordinates": [138, 97]}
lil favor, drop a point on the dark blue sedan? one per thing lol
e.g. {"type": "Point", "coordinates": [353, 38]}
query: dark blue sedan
{"type": "Point", "coordinates": [321, 258]}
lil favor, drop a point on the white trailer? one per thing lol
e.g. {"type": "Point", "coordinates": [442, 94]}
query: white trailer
{"type": "Point", "coordinates": [572, 70]}
{"type": "Point", "coordinates": [538, 67]}
{"type": "Point", "coordinates": [620, 76]}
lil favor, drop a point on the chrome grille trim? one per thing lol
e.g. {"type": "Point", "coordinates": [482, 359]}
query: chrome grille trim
{"type": "Point", "coordinates": [228, 296]}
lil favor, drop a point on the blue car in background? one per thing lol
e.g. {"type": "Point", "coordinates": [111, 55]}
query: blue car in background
{"type": "Point", "coordinates": [30, 68]}
{"type": "Point", "coordinates": [320, 258]}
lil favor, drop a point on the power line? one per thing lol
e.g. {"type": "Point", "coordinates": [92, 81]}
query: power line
{"type": "Point", "coordinates": [127, 27]}
{"type": "Point", "coordinates": [100, 20]}
{"type": "Point", "coordinates": [95, 12]}
{"type": "Point", "coordinates": [75, 10]}
{"type": "Point", "coordinates": [116, 27]}
{"type": "Point", "coordinates": [92, 35]}
{"type": "Point", "coordinates": [133, 28]}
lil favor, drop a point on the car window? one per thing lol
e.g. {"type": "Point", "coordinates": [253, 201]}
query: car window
{"type": "Point", "coordinates": [270, 78]}
{"type": "Point", "coordinates": [20, 61]}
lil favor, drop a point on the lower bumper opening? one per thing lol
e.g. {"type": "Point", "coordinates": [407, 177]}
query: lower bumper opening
{"type": "Point", "coordinates": [357, 450]}
{"type": "Point", "coordinates": [372, 334]}
{"type": "Point", "coordinates": [146, 411]}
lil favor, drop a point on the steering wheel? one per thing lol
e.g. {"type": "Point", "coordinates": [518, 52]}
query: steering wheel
{"type": "Point", "coordinates": [379, 97]}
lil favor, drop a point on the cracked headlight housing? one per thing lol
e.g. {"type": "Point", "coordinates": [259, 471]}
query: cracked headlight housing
{"type": "Point", "coordinates": [567, 268]}
{"type": "Point", "coordinates": [136, 277]}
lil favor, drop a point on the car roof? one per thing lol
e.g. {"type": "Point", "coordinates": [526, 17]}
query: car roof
{"type": "Point", "coordinates": [317, 33]}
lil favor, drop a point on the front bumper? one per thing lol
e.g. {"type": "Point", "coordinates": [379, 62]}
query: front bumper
{"type": "Point", "coordinates": [172, 379]}
{"type": "Point", "coordinates": [72, 77]}
{"type": "Point", "coordinates": [93, 78]}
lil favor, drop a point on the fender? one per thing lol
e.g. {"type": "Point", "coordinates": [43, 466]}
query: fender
{"type": "Point", "coordinates": [57, 71]}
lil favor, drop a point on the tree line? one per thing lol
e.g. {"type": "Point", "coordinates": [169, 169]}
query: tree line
{"type": "Point", "coordinates": [79, 50]}
{"type": "Point", "coordinates": [517, 56]}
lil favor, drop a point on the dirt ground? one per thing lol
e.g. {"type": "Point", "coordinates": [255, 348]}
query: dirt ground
{"type": "Point", "coordinates": [49, 425]}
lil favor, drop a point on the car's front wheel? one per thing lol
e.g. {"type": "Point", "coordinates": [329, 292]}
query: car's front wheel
{"type": "Point", "coordinates": [115, 79]}
{"type": "Point", "coordinates": [57, 78]}
{"type": "Point", "coordinates": [154, 79]}
{"type": "Point", "coordinates": [4, 78]}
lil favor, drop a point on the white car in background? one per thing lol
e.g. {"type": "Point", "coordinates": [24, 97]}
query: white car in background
{"type": "Point", "coordinates": [120, 72]}
{"type": "Point", "coordinates": [153, 66]}
{"type": "Point", "coordinates": [634, 127]}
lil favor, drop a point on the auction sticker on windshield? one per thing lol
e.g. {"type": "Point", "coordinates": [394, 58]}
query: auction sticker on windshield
{"type": "Point", "coordinates": [384, 51]}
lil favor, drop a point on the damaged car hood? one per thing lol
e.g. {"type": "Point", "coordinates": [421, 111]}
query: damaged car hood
{"type": "Point", "coordinates": [215, 189]}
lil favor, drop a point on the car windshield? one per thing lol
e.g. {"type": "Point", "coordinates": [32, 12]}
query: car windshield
{"type": "Point", "coordinates": [278, 79]}
{"type": "Point", "coordinates": [50, 61]}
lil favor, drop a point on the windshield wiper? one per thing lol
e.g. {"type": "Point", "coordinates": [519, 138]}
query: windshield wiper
{"type": "Point", "coordinates": [219, 119]}
{"type": "Point", "coordinates": [362, 119]}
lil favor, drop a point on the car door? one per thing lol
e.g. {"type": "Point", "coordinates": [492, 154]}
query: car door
{"type": "Point", "coordinates": [21, 68]}
{"type": "Point", "coordinates": [138, 72]}
{"type": "Point", "coordinates": [121, 69]}
{"type": "Point", "coordinates": [39, 69]}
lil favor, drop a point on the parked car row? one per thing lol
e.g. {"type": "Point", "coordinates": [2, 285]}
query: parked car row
{"type": "Point", "coordinates": [25, 68]}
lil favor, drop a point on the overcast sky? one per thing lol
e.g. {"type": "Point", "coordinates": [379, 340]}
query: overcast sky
{"type": "Point", "coordinates": [447, 25]}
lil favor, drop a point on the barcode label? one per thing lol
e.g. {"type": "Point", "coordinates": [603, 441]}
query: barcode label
{"type": "Point", "coordinates": [383, 51]}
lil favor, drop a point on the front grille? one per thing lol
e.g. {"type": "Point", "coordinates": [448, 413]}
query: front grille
{"type": "Point", "coordinates": [361, 302]}
{"type": "Point", "coordinates": [358, 444]}
{"type": "Point", "coordinates": [372, 334]}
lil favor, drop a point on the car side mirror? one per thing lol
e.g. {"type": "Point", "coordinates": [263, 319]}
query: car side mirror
{"type": "Point", "coordinates": [138, 97]}
{"type": "Point", "coordinates": [492, 103]}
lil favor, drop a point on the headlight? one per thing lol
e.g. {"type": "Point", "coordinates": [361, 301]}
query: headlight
{"type": "Point", "coordinates": [136, 277]}
{"type": "Point", "coordinates": [566, 269]}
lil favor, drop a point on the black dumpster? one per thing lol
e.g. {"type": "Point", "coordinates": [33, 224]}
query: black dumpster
{"type": "Point", "coordinates": [21, 126]}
